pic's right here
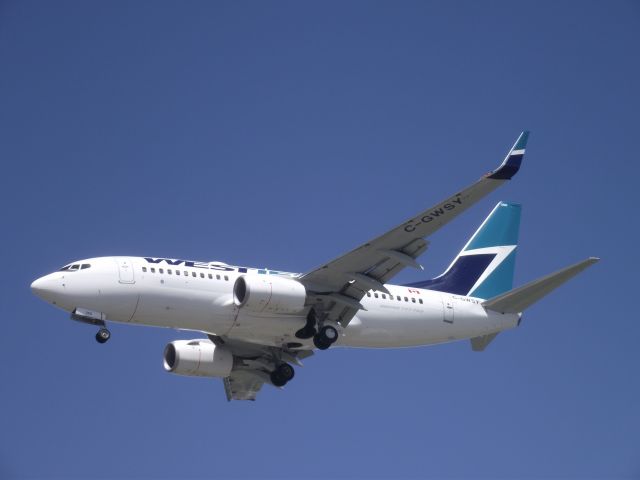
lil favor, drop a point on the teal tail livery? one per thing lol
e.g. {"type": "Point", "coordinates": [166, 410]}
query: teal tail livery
{"type": "Point", "coordinates": [485, 266]}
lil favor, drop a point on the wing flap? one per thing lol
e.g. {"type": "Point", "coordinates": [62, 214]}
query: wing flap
{"type": "Point", "coordinates": [252, 364]}
{"type": "Point", "coordinates": [243, 384]}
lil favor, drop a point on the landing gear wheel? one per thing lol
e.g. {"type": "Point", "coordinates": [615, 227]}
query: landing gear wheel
{"type": "Point", "coordinates": [325, 337]}
{"type": "Point", "coordinates": [329, 333]}
{"type": "Point", "coordinates": [282, 374]}
{"type": "Point", "coordinates": [103, 335]}
{"type": "Point", "coordinates": [306, 332]}
{"type": "Point", "coordinates": [320, 343]}
{"type": "Point", "coordinates": [286, 371]}
{"type": "Point", "coordinates": [309, 330]}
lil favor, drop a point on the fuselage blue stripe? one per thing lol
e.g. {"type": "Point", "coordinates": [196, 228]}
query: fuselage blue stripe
{"type": "Point", "coordinates": [461, 277]}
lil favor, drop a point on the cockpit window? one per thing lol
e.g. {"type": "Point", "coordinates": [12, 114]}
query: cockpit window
{"type": "Point", "coordinates": [74, 267]}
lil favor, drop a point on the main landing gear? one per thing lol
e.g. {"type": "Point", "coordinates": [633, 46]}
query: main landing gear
{"type": "Point", "coordinates": [282, 374]}
{"type": "Point", "coordinates": [309, 330]}
{"type": "Point", "coordinates": [323, 338]}
{"type": "Point", "coordinates": [103, 335]}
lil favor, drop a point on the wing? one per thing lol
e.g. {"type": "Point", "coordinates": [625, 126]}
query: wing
{"type": "Point", "coordinates": [252, 366]}
{"type": "Point", "coordinates": [338, 286]}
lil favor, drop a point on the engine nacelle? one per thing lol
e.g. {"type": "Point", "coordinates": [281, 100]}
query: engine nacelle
{"type": "Point", "coordinates": [269, 294]}
{"type": "Point", "coordinates": [200, 358]}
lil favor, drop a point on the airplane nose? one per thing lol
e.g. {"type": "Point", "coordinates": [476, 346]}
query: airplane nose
{"type": "Point", "coordinates": [37, 286]}
{"type": "Point", "coordinates": [43, 288]}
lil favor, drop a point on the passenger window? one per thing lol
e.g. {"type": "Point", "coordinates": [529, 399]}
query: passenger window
{"type": "Point", "coordinates": [217, 277]}
{"type": "Point", "coordinates": [368, 294]}
{"type": "Point", "coordinates": [384, 296]}
{"type": "Point", "coordinates": [399, 298]}
{"type": "Point", "coordinates": [153, 270]}
{"type": "Point", "coordinates": [226, 279]}
{"type": "Point", "coordinates": [177, 272]}
{"type": "Point", "coordinates": [186, 274]}
{"type": "Point", "coordinates": [161, 270]}
{"type": "Point", "coordinates": [210, 277]}
{"type": "Point", "coordinates": [193, 274]}
{"type": "Point", "coordinates": [201, 275]}
{"type": "Point", "coordinates": [144, 269]}
{"type": "Point", "coordinates": [406, 299]}
{"type": "Point", "coordinates": [420, 301]}
{"type": "Point", "coordinates": [375, 295]}
{"type": "Point", "coordinates": [169, 271]}
{"type": "Point", "coordinates": [413, 300]}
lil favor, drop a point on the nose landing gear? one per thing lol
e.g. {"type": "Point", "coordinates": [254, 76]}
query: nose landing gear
{"type": "Point", "coordinates": [90, 317]}
{"type": "Point", "coordinates": [103, 335]}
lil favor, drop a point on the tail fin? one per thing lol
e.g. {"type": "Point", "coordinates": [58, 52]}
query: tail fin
{"type": "Point", "coordinates": [484, 268]}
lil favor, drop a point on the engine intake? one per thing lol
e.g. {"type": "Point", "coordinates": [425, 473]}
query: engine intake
{"type": "Point", "coordinates": [200, 358]}
{"type": "Point", "coordinates": [269, 293]}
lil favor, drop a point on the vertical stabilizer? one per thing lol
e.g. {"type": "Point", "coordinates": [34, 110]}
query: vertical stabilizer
{"type": "Point", "coordinates": [485, 266]}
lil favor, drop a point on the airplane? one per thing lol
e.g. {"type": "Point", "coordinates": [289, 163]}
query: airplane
{"type": "Point", "coordinates": [259, 322]}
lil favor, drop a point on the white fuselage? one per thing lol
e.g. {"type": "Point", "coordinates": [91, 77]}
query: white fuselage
{"type": "Point", "coordinates": [199, 296]}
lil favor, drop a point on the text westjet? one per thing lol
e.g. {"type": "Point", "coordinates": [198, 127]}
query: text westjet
{"type": "Point", "coordinates": [216, 266]}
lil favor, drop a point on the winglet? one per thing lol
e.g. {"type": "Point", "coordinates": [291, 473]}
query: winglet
{"type": "Point", "coordinates": [513, 160]}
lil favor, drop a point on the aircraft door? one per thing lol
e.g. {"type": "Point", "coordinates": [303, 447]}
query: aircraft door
{"type": "Point", "coordinates": [125, 270]}
{"type": "Point", "coordinates": [447, 305]}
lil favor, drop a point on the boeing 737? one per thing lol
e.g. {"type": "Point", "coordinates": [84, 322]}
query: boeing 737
{"type": "Point", "coordinates": [258, 323]}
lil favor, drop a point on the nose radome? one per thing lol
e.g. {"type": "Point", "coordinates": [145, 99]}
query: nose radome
{"type": "Point", "coordinates": [43, 287]}
{"type": "Point", "coordinates": [37, 286]}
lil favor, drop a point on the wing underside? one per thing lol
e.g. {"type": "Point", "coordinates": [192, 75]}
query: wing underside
{"type": "Point", "coordinates": [252, 365]}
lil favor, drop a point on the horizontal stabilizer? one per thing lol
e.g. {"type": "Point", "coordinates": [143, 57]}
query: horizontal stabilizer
{"type": "Point", "coordinates": [478, 344]}
{"type": "Point", "coordinates": [521, 298]}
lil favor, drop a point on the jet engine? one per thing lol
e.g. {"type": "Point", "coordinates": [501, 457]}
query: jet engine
{"type": "Point", "coordinates": [269, 294]}
{"type": "Point", "coordinates": [200, 358]}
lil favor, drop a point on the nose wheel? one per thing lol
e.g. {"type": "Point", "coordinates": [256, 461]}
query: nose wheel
{"type": "Point", "coordinates": [103, 335]}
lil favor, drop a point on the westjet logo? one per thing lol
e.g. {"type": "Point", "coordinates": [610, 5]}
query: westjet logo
{"type": "Point", "coordinates": [189, 263]}
{"type": "Point", "coordinates": [217, 266]}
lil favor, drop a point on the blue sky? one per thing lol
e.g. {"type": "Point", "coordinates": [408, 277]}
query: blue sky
{"type": "Point", "coordinates": [283, 134]}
